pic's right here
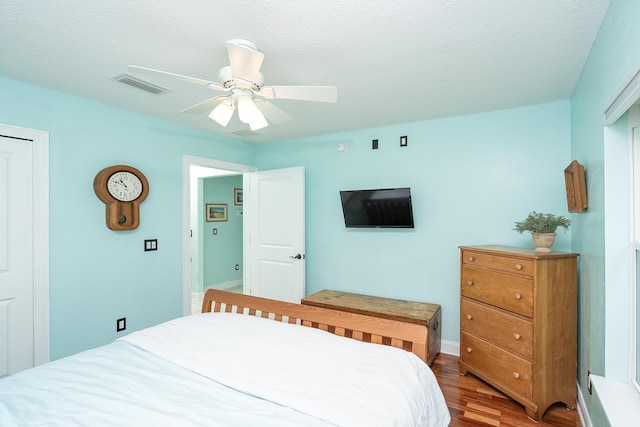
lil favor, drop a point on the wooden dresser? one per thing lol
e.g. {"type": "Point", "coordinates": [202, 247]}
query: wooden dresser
{"type": "Point", "coordinates": [420, 313]}
{"type": "Point", "coordinates": [518, 323]}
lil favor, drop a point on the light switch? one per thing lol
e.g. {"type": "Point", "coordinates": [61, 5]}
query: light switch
{"type": "Point", "coordinates": [150, 245]}
{"type": "Point", "coordinates": [121, 324]}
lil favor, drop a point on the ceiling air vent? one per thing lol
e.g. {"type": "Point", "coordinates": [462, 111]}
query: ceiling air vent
{"type": "Point", "coordinates": [138, 83]}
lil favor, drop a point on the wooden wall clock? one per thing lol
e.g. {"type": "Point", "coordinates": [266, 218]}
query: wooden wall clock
{"type": "Point", "coordinates": [121, 188]}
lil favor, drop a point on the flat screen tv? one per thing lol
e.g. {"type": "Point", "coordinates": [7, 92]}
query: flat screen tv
{"type": "Point", "coordinates": [382, 208]}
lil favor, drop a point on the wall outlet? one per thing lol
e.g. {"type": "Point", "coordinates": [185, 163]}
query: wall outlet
{"type": "Point", "coordinates": [403, 141]}
{"type": "Point", "coordinates": [374, 144]}
{"type": "Point", "coordinates": [237, 267]}
{"type": "Point", "coordinates": [121, 324]}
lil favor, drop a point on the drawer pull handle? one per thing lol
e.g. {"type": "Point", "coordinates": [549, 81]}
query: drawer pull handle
{"type": "Point", "coordinates": [516, 336]}
{"type": "Point", "coordinates": [471, 259]}
{"type": "Point", "coordinates": [518, 267]}
{"type": "Point", "coordinates": [516, 375]}
{"type": "Point", "coordinates": [469, 349]}
{"type": "Point", "coordinates": [469, 283]}
{"type": "Point", "coordinates": [518, 296]}
{"type": "Point", "coordinates": [469, 317]}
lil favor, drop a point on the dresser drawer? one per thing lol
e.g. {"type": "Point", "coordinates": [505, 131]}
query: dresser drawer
{"type": "Point", "coordinates": [509, 331]}
{"type": "Point", "coordinates": [513, 372]}
{"type": "Point", "coordinates": [512, 293]}
{"type": "Point", "coordinates": [496, 262]}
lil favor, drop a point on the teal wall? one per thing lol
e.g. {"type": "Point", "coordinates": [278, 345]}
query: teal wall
{"type": "Point", "coordinates": [604, 330]}
{"type": "Point", "coordinates": [471, 178]}
{"type": "Point", "coordinates": [224, 250]}
{"type": "Point", "coordinates": [98, 275]}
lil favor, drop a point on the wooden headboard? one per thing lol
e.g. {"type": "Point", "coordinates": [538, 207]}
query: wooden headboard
{"type": "Point", "coordinates": [408, 336]}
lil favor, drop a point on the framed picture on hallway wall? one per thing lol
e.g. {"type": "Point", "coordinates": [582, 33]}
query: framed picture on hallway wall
{"type": "Point", "coordinates": [237, 196]}
{"type": "Point", "coordinates": [216, 212]}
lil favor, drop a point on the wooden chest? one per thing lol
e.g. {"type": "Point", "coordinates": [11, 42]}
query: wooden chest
{"type": "Point", "coordinates": [518, 323]}
{"type": "Point", "coordinates": [419, 313]}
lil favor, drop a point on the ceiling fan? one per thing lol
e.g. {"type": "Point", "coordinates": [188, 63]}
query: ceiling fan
{"type": "Point", "coordinates": [242, 83]}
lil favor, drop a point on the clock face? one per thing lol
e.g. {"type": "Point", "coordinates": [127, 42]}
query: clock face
{"type": "Point", "coordinates": [124, 186]}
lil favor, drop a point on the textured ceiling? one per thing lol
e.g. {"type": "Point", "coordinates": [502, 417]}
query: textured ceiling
{"type": "Point", "coordinates": [392, 61]}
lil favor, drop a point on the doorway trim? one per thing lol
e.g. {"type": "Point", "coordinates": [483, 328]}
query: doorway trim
{"type": "Point", "coordinates": [40, 139]}
{"type": "Point", "coordinates": [187, 162]}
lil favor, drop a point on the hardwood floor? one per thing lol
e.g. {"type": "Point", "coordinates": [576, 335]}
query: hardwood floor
{"type": "Point", "coordinates": [473, 402]}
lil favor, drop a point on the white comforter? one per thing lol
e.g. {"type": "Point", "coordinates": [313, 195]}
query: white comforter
{"type": "Point", "coordinates": [227, 370]}
{"type": "Point", "coordinates": [342, 381]}
{"type": "Point", "coordinates": [121, 385]}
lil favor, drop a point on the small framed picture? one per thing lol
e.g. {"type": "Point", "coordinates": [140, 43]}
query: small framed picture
{"type": "Point", "coordinates": [216, 212]}
{"type": "Point", "coordinates": [237, 196]}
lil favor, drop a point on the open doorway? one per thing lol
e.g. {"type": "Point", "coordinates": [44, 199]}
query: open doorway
{"type": "Point", "coordinates": [216, 232]}
{"type": "Point", "coordinates": [195, 170]}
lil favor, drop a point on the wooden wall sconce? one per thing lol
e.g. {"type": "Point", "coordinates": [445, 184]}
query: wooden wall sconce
{"type": "Point", "coordinates": [576, 187]}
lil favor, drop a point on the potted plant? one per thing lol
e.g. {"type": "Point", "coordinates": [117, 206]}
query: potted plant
{"type": "Point", "coordinates": [543, 228]}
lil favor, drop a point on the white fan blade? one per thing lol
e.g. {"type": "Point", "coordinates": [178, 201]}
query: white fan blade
{"type": "Point", "coordinates": [204, 106]}
{"type": "Point", "coordinates": [244, 60]}
{"type": "Point", "coordinates": [301, 93]}
{"type": "Point", "coordinates": [194, 80]}
{"type": "Point", "coordinates": [274, 114]}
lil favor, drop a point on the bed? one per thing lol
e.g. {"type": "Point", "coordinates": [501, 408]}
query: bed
{"type": "Point", "coordinates": [243, 361]}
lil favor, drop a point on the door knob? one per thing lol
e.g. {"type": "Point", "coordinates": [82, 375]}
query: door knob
{"type": "Point", "coordinates": [298, 256]}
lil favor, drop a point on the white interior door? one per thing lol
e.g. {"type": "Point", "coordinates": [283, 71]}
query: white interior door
{"type": "Point", "coordinates": [16, 256]}
{"type": "Point", "coordinates": [274, 214]}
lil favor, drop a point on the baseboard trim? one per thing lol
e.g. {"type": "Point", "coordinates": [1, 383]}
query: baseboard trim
{"type": "Point", "coordinates": [450, 347]}
{"type": "Point", "coordinates": [225, 285]}
{"type": "Point", "coordinates": [582, 409]}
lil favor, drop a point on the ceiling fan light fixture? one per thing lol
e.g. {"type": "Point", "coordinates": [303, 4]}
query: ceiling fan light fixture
{"type": "Point", "coordinates": [249, 113]}
{"type": "Point", "coordinates": [222, 113]}
{"type": "Point", "coordinates": [243, 85]}
{"type": "Point", "coordinates": [258, 122]}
